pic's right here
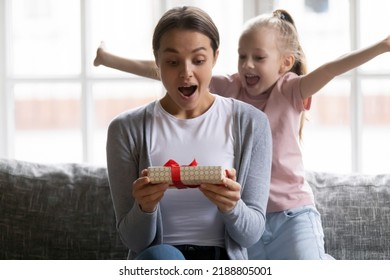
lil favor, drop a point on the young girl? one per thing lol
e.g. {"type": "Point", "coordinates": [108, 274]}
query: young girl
{"type": "Point", "coordinates": [212, 221]}
{"type": "Point", "coordinates": [272, 77]}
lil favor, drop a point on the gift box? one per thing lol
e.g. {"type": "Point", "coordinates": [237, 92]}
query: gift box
{"type": "Point", "coordinates": [186, 176]}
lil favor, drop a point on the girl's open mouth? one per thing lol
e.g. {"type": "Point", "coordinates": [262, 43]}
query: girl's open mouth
{"type": "Point", "coordinates": [188, 90]}
{"type": "Point", "coordinates": [251, 80]}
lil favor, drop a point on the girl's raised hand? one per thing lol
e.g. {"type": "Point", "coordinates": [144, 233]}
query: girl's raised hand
{"type": "Point", "coordinates": [387, 41]}
{"type": "Point", "coordinates": [99, 54]}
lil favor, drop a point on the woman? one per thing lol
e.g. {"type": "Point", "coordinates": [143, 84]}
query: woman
{"type": "Point", "coordinates": [212, 221]}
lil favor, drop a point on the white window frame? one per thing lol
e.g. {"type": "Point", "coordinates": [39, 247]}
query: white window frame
{"type": "Point", "coordinates": [5, 102]}
{"type": "Point", "coordinates": [356, 98]}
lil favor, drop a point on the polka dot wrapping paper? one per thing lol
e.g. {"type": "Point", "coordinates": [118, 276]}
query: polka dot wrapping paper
{"type": "Point", "coordinates": [186, 176]}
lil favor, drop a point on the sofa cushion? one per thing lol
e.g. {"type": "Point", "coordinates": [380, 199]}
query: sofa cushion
{"type": "Point", "coordinates": [355, 212]}
{"type": "Point", "coordinates": [61, 211]}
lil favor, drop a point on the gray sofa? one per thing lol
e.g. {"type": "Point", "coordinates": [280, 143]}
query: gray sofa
{"type": "Point", "coordinates": [64, 211]}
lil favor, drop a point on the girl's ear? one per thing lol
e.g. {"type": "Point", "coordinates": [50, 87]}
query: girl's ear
{"type": "Point", "coordinates": [287, 63]}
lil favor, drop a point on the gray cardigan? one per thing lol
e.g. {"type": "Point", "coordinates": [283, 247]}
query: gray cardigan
{"type": "Point", "coordinates": [128, 146]}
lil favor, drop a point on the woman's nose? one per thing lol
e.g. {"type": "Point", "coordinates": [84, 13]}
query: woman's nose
{"type": "Point", "coordinates": [186, 71]}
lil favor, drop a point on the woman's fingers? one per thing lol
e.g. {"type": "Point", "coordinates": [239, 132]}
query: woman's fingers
{"type": "Point", "coordinates": [148, 195]}
{"type": "Point", "coordinates": [225, 196]}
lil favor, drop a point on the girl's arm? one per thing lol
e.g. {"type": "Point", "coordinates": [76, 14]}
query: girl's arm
{"type": "Point", "coordinates": [144, 68]}
{"type": "Point", "coordinates": [317, 79]}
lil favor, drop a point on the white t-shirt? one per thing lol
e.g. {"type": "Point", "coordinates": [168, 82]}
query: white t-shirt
{"type": "Point", "coordinates": [188, 216]}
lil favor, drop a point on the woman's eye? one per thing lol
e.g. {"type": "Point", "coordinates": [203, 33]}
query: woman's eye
{"type": "Point", "coordinates": [172, 62]}
{"type": "Point", "coordinates": [199, 61]}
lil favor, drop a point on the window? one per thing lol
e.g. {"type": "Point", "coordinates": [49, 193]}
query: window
{"type": "Point", "coordinates": [348, 125]}
{"type": "Point", "coordinates": [55, 106]}
{"type": "Point", "coordinates": [326, 138]}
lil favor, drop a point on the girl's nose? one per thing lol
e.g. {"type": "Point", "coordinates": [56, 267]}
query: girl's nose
{"type": "Point", "coordinates": [248, 63]}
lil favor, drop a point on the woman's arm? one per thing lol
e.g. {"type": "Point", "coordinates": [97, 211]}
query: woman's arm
{"type": "Point", "coordinates": [245, 223]}
{"type": "Point", "coordinates": [143, 68]}
{"type": "Point", "coordinates": [317, 79]}
{"type": "Point", "coordinates": [136, 228]}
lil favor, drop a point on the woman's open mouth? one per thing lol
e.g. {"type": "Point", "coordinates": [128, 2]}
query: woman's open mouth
{"type": "Point", "coordinates": [188, 90]}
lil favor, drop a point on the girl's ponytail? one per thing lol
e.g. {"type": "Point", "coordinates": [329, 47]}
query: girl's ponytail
{"type": "Point", "coordinates": [284, 15]}
{"type": "Point", "coordinates": [300, 67]}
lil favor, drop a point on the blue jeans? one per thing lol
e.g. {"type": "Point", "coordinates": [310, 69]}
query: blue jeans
{"type": "Point", "coordinates": [160, 252]}
{"type": "Point", "coordinates": [294, 234]}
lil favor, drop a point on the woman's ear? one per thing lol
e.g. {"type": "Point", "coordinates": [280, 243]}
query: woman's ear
{"type": "Point", "coordinates": [156, 59]}
{"type": "Point", "coordinates": [216, 54]}
{"type": "Point", "coordinates": [287, 63]}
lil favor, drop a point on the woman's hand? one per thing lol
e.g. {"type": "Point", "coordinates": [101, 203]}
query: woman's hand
{"type": "Point", "coordinates": [225, 196]}
{"type": "Point", "coordinates": [148, 195]}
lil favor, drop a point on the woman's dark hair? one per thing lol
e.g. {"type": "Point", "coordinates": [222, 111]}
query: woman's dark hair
{"type": "Point", "coordinates": [186, 18]}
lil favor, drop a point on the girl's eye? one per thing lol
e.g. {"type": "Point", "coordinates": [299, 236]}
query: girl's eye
{"type": "Point", "coordinates": [258, 58]}
{"type": "Point", "coordinates": [241, 57]}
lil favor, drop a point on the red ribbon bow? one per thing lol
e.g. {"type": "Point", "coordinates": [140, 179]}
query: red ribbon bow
{"type": "Point", "coordinates": [175, 172]}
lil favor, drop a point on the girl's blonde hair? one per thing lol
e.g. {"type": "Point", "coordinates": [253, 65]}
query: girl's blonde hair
{"type": "Point", "coordinates": [287, 41]}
